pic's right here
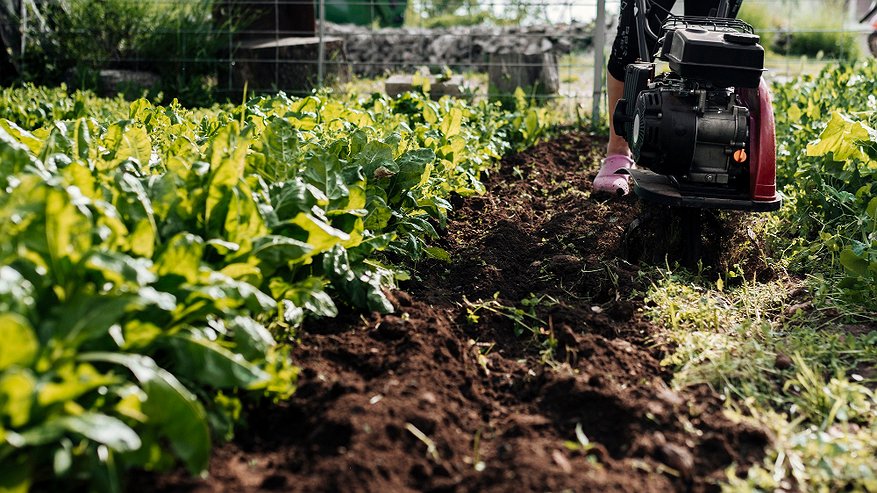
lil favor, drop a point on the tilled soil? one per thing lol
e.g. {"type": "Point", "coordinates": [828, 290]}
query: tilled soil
{"type": "Point", "coordinates": [450, 394]}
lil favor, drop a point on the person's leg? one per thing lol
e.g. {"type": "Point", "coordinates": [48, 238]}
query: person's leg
{"type": "Point", "coordinates": [617, 144]}
{"type": "Point", "coordinates": [625, 50]}
{"type": "Point", "coordinates": [617, 151]}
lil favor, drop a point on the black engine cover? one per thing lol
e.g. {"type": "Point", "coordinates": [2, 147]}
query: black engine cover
{"type": "Point", "coordinates": [722, 58]}
{"type": "Point", "coordinates": [690, 134]}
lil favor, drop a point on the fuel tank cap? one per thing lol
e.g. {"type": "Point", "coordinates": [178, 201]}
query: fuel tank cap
{"type": "Point", "coordinates": [742, 38]}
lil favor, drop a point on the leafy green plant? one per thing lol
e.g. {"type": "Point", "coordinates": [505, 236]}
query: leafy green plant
{"type": "Point", "coordinates": [31, 107]}
{"type": "Point", "coordinates": [826, 166]}
{"type": "Point", "coordinates": [144, 255]}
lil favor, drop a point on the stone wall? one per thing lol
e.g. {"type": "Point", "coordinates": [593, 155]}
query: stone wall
{"type": "Point", "coordinates": [373, 52]}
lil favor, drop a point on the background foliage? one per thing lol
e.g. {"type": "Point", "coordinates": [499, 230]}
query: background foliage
{"type": "Point", "coordinates": [70, 40]}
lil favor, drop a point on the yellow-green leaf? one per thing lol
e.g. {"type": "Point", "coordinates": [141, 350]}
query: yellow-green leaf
{"type": "Point", "coordinates": [430, 113]}
{"type": "Point", "coordinates": [841, 137]}
{"type": "Point", "coordinates": [19, 344]}
{"type": "Point", "coordinates": [321, 236]}
{"type": "Point", "coordinates": [452, 122]}
{"type": "Point", "coordinates": [182, 256]}
{"type": "Point", "coordinates": [17, 392]}
{"type": "Point", "coordinates": [68, 230]}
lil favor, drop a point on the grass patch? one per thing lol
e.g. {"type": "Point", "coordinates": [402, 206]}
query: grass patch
{"type": "Point", "coordinates": [788, 355]}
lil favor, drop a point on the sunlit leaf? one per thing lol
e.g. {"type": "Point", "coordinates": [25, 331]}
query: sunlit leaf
{"type": "Point", "coordinates": [170, 407]}
{"type": "Point", "coordinates": [19, 341]}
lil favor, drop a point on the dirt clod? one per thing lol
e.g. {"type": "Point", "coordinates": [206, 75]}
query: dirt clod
{"type": "Point", "coordinates": [782, 362]}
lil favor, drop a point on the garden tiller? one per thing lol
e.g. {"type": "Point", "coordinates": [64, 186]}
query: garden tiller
{"type": "Point", "coordinates": [702, 134]}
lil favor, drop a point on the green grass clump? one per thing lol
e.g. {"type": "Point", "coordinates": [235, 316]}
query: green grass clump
{"type": "Point", "coordinates": [789, 367]}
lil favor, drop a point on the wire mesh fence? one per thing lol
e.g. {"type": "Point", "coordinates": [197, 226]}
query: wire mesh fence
{"type": "Point", "coordinates": [204, 50]}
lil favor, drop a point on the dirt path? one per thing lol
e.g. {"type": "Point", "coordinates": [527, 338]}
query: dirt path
{"type": "Point", "coordinates": [444, 396]}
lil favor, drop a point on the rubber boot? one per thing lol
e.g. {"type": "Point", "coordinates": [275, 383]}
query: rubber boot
{"type": "Point", "coordinates": [608, 181]}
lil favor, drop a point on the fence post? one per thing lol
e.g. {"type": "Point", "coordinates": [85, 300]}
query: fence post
{"type": "Point", "coordinates": [599, 46]}
{"type": "Point", "coordinates": [24, 28]}
{"type": "Point", "coordinates": [321, 51]}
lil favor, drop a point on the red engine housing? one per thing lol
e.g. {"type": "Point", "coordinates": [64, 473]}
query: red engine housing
{"type": "Point", "coordinates": [762, 145]}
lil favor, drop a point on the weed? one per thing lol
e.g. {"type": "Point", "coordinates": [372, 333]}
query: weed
{"type": "Point", "coordinates": [431, 449]}
{"type": "Point", "coordinates": [525, 319]}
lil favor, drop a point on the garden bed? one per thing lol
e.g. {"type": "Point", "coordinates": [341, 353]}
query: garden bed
{"type": "Point", "coordinates": [524, 363]}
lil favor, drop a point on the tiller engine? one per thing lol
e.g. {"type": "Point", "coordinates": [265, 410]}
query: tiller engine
{"type": "Point", "coordinates": [702, 133]}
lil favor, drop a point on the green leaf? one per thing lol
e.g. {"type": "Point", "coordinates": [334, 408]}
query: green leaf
{"type": "Point", "coordinates": [430, 112]}
{"type": "Point", "coordinates": [438, 253]}
{"type": "Point", "coordinates": [324, 171]}
{"type": "Point", "coordinates": [227, 163]}
{"type": "Point", "coordinates": [121, 269]}
{"type": "Point", "coordinates": [274, 251]}
{"type": "Point", "coordinates": [375, 156]}
{"type": "Point", "coordinates": [17, 395]}
{"type": "Point", "coordinates": [134, 205]}
{"type": "Point", "coordinates": [70, 381]}
{"type": "Point", "coordinates": [20, 343]}
{"type": "Point", "coordinates": [14, 157]}
{"type": "Point", "coordinates": [871, 210]}
{"type": "Point", "coordinates": [89, 316]}
{"type": "Point", "coordinates": [295, 196]}
{"type": "Point", "coordinates": [362, 286]}
{"type": "Point", "coordinates": [22, 136]}
{"type": "Point", "coordinates": [68, 230]}
{"type": "Point", "coordinates": [209, 363]}
{"type": "Point", "coordinates": [171, 408]}
{"type": "Point", "coordinates": [841, 137]}
{"type": "Point", "coordinates": [279, 145]}
{"type": "Point", "coordinates": [125, 142]}
{"type": "Point", "coordinates": [81, 139]}
{"type": "Point", "coordinates": [252, 338]}
{"type": "Point", "coordinates": [452, 123]}
{"type": "Point", "coordinates": [320, 235]}
{"type": "Point", "coordinates": [103, 429]}
{"type": "Point", "coordinates": [182, 257]}
{"type": "Point", "coordinates": [379, 213]}
{"type": "Point", "coordinates": [16, 473]}
{"type": "Point", "coordinates": [414, 169]}
{"type": "Point", "coordinates": [243, 222]}
{"type": "Point", "coordinates": [308, 294]}
{"type": "Point", "coordinates": [853, 262]}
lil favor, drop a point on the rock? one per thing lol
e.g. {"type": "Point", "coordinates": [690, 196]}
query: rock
{"type": "Point", "coordinates": [371, 52]}
{"type": "Point", "coordinates": [536, 74]}
{"type": "Point", "coordinates": [114, 81]}
{"type": "Point", "coordinates": [782, 362]}
{"type": "Point", "coordinates": [399, 84]}
{"type": "Point", "coordinates": [798, 307]}
{"type": "Point", "coordinates": [679, 458]}
{"type": "Point", "coordinates": [561, 461]}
